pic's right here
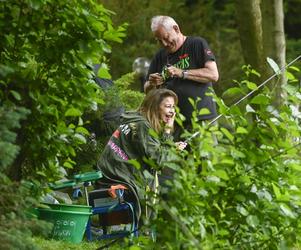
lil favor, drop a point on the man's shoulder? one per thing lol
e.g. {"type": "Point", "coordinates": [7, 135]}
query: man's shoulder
{"type": "Point", "coordinates": [196, 39]}
{"type": "Point", "coordinates": [161, 53]}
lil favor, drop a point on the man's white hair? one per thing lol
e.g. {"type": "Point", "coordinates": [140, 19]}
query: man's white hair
{"type": "Point", "coordinates": [166, 21]}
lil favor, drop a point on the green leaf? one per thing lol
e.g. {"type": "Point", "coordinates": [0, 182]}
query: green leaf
{"type": "Point", "coordinates": [227, 160]}
{"type": "Point", "coordinates": [41, 173]}
{"type": "Point", "coordinates": [241, 130]}
{"type": "Point", "coordinates": [260, 99]}
{"type": "Point", "coordinates": [80, 137]}
{"type": "Point", "coordinates": [232, 91]}
{"type": "Point", "coordinates": [251, 85]}
{"type": "Point", "coordinates": [242, 210]}
{"type": "Point", "coordinates": [227, 134]}
{"type": "Point", "coordinates": [222, 174]}
{"type": "Point", "coordinates": [289, 76]}
{"type": "Point", "coordinates": [16, 95]}
{"type": "Point", "coordinates": [135, 163]}
{"type": "Point", "coordinates": [153, 133]}
{"type": "Point", "coordinates": [276, 191]}
{"type": "Point", "coordinates": [67, 164]}
{"type": "Point", "coordinates": [73, 112]}
{"type": "Point", "coordinates": [82, 130]}
{"type": "Point", "coordinates": [104, 73]}
{"type": "Point", "coordinates": [252, 220]}
{"type": "Point", "coordinates": [273, 65]}
{"type": "Point", "coordinates": [240, 197]}
{"type": "Point", "coordinates": [204, 111]}
{"type": "Point", "coordinates": [294, 68]}
{"type": "Point", "coordinates": [249, 109]}
{"type": "Point", "coordinates": [287, 211]}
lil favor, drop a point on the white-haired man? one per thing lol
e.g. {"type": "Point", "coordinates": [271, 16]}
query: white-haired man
{"type": "Point", "coordinates": [184, 64]}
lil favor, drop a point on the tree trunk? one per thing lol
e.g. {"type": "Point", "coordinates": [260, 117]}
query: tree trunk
{"type": "Point", "coordinates": [274, 42]}
{"type": "Point", "coordinates": [249, 25]}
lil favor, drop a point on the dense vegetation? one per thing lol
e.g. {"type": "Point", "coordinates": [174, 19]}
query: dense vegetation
{"type": "Point", "coordinates": [243, 193]}
{"type": "Point", "coordinates": [48, 49]}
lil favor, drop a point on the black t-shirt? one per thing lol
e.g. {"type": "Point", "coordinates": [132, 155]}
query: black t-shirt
{"type": "Point", "coordinates": [193, 54]}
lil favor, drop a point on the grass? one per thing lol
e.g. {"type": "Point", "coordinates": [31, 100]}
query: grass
{"type": "Point", "coordinates": [45, 244]}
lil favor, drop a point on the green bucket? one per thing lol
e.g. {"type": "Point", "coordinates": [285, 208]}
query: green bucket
{"type": "Point", "coordinates": [67, 207]}
{"type": "Point", "coordinates": [67, 225]}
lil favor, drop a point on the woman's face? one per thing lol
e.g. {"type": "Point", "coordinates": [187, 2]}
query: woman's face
{"type": "Point", "coordinates": [167, 110]}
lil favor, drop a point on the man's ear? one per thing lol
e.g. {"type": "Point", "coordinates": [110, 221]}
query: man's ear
{"type": "Point", "coordinates": [176, 28]}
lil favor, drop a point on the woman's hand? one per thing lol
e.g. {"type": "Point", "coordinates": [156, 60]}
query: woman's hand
{"type": "Point", "coordinates": [181, 145]}
{"type": "Point", "coordinates": [169, 122]}
{"type": "Point", "coordinates": [155, 79]}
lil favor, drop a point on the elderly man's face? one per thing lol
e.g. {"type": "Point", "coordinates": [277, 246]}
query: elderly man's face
{"type": "Point", "coordinates": [169, 39]}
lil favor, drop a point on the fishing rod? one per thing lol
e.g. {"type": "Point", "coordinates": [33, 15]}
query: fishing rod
{"type": "Point", "coordinates": [247, 95]}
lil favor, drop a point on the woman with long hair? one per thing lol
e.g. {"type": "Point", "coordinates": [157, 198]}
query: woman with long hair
{"type": "Point", "coordinates": [142, 136]}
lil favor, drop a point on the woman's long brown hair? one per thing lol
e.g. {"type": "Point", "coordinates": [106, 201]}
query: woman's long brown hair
{"type": "Point", "coordinates": [150, 107]}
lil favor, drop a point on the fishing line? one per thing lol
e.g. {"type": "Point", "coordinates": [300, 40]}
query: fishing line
{"type": "Point", "coordinates": [247, 95]}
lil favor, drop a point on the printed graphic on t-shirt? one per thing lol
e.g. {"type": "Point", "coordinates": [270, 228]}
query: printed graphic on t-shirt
{"type": "Point", "coordinates": [183, 63]}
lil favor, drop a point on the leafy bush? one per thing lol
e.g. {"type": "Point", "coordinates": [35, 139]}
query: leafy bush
{"type": "Point", "coordinates": [247, 195]}
{"type": "Point", "coordinates": [242, 193]}
{"type": "Point", "coordinates": [47, 50]}
{"type": "Point", "coordinates": [118, 95]}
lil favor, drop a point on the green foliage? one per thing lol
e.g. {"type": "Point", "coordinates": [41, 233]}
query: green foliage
{"type": "Point", "coordinates": [17, 222]}
{"type": "Point", "coordinates": [242, 193]}
{"type": "Point", "coordinates": [131, 99]}
{"type": "Point", "coordinates": [47, 51]}
{"type": "Point", "coordinates": [10, 117]}
{"type": "Point", "coordinates": [118, 95]}
{"type": "Point", "coordinates": [58, 245]}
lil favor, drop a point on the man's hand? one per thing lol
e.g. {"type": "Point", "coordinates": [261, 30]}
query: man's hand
{"type": "Point", "coordinates": [174, 72]}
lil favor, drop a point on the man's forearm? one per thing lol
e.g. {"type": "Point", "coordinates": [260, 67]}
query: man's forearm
{"type": "Point", "coordinates": [202, 75]}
